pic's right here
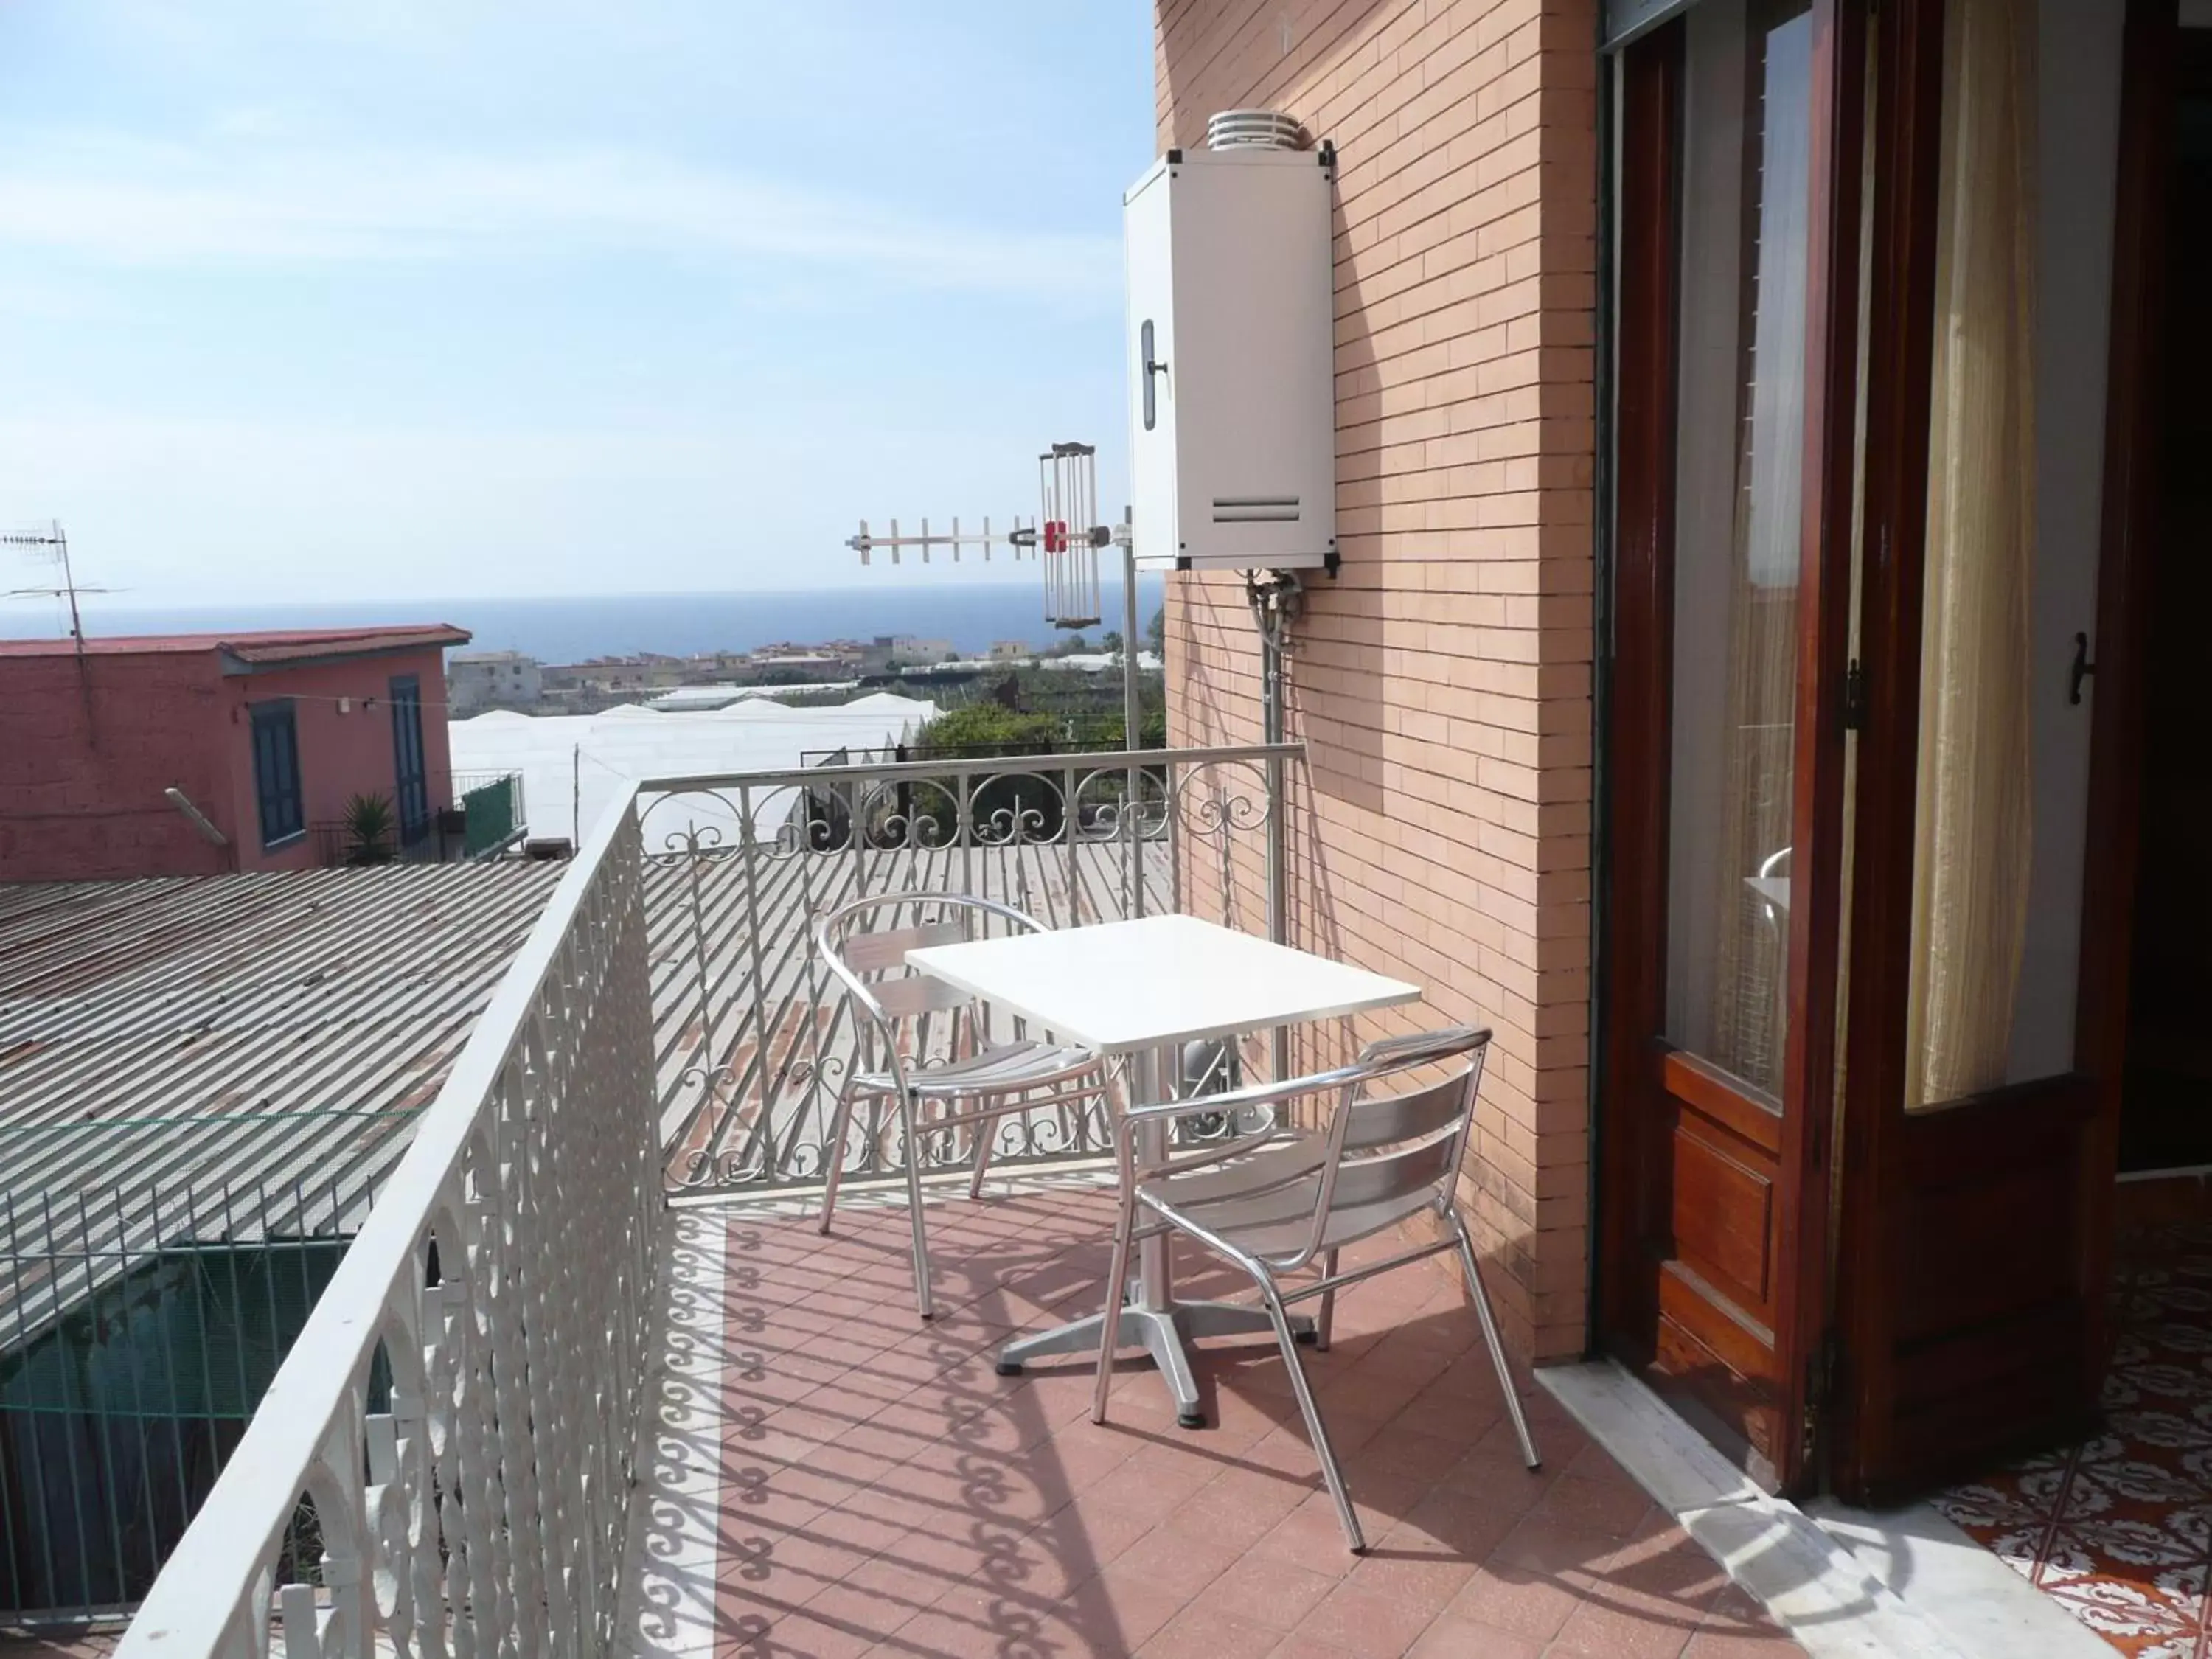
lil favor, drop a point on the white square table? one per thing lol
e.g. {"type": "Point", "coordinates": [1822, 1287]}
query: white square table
{"type": "Point", "coordinates": [1136, 988]}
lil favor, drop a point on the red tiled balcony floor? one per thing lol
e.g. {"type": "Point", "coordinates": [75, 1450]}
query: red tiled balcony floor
{"type": "Point", "coordinates": [884, 1492]}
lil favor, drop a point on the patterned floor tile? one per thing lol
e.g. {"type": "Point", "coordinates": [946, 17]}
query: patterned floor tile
{"type": "Point", "coordinates": [2118, 1529]}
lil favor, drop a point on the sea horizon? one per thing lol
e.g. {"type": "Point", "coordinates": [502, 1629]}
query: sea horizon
{"type": "Point", "coordinates": [973, 617]}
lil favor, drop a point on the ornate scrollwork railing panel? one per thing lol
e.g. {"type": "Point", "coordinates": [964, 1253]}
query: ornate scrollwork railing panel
{"type": "Point", "coordinates": [753, 1039]}
{"type": "Point", "coordinates": [503, 1281]}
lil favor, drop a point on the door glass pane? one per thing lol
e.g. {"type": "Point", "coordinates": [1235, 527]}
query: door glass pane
{"type": "Point", "coordinates": [1740, 453]}
{"type": "Point", "coordinates": [2029, 155]}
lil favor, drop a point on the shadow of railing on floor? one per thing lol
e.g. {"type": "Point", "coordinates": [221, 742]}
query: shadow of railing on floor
{"type": "Point", "coordinates": [876, 1482]}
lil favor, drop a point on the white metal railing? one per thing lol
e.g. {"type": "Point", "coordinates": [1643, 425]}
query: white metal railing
{"type": "Point", "coordinates": [503, 1284]}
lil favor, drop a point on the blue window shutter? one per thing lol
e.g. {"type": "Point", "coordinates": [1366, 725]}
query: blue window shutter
{"type": "Point", "coordinates": [277, 771]}
{"type": "Point", "coordinates": [409, 769]}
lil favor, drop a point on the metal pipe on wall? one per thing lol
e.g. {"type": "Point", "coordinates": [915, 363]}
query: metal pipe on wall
{"type": "Point", "coordinates": [1276, 598]}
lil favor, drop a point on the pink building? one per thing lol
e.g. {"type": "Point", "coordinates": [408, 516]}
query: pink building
{"type": "Point", "coordinates": [263, 735]}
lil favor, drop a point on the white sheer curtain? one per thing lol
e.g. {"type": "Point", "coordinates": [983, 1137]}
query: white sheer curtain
{"type": "Point", "coordinates": [1746, 223]}
{"type": "Point", "coordinates": [1974, 829]}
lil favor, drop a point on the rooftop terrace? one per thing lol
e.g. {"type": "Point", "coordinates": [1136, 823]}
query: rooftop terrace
{"type": "Point", "coordinates": [635, 1404]}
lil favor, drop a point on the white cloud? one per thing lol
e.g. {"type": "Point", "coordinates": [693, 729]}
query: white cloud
{"type": "Point", "coordinates": [242, 202]}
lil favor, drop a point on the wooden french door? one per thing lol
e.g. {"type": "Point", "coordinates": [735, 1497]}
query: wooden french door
{"type": "Point", "coordinates": [1975, 1227]}
{"type": "Point", "coordinates": [1740, 128]}
{"type": "Point", "coordinates": [1888, 419]}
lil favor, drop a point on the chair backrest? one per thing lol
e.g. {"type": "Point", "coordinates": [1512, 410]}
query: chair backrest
{"type": "Point", "coordinates": [1385, 1150]}
{"type": "Point", "coordinates": [865, 943]}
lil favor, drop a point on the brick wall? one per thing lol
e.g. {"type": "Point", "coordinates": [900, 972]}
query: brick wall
{"type": "Point", "coordinates": [75, 810]}
{"type": "Point", "coordinates": [71, 809]}
{"type": "Point", "coordinates": [1443, 681]}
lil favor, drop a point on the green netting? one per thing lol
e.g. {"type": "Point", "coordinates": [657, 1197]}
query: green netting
{"type": "Point", "coordinates": [116, 1419]}
{"type": "Point", "coordinates": [185, 1333]}
{"type": "Point", "coordinates": [491, 810]}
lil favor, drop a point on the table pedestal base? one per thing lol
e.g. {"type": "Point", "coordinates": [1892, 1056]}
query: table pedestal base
{"type": "Point", "coordinates": [1165, 1333]}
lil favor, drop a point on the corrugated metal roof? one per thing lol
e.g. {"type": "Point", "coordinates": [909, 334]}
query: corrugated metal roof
{"type": "Point", "coordinates": [222, 1034]}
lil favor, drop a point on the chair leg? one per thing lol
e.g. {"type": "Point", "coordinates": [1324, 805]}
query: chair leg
{"type": "Point", "coordinates": [1331, 1471]}
{"type": "Point", "coordinates": [1325, 1320]}
{"type": "Point", "coordinates": [985, 1131]}
{"type": "Point", "coordinates": [922, 1303]}
{"type": "Point", "coordinates": [1489, 1321]}
{"type": "Point", "coordinates": [833, 1153]}
{"type": "Point", "coordinates": [1117, 1290]}
{"type": "Point", "coordinates": [1113, 1097]}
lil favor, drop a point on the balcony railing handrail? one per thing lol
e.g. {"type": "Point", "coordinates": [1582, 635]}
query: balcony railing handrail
{"type": "Point", "coordinates": [213, 1597]}
{"type": "Point", "coordinates": [477, 777]}
{"type": "Point", "coordinates": [1118, 760]}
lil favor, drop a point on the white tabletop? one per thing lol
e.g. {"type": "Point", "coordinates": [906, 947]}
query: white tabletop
{"type": "Point", "coordinates": [1124, 986]}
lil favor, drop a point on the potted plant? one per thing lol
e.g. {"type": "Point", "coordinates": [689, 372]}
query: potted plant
{"type": "Point", "coordinates": [369, 828]}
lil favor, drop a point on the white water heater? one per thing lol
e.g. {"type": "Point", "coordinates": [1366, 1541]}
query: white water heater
{"type": "Point", "coordinates": [1232, 395]}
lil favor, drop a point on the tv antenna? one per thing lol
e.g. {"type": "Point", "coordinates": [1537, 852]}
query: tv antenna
{"type": "Point", "coordinates": [50, 546]}
{"type": "Point", "coordinates": [1066, 539]}
{"type": "Point", "coordinates": [1063, 537]}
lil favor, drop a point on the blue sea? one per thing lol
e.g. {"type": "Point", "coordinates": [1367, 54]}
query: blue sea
{"type": "Point", "coordinates": [973, 617]}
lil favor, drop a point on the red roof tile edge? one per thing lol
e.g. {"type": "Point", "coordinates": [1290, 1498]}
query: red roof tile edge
{"type": "Point", "coordinates": [268, 646]}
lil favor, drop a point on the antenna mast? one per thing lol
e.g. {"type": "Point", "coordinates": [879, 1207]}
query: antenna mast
{"type": "Point", "coordinates": [50, 546]}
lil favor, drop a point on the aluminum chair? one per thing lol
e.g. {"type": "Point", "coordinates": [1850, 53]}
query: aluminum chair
{"type": "Point", "coordinates": [1294, 1200]}
{"type": "Point", "coordinates": [977, 1085]}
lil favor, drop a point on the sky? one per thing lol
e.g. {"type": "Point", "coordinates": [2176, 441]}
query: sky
{"type": "Point", "coordinates": [457, 298]}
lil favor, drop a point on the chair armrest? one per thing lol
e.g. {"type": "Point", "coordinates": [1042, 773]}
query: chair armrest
{"type": "Point", "coordinates": [1230, 1101]}
{"type": "Point", "coordinates": [1390, 1051]}
{"type": "Point", "coordinates": [1451, 1039]}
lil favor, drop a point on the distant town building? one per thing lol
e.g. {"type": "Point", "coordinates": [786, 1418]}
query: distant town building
{"type": "Point", "coordinates": [478, 680]}
{"type": "Point", "coordinates": [1010, 650]}
{"type": "Point", "coordinates": [819, 664]}
{"type": "Point", "coordinates": [195, 754]}
{"type": "Point", "coordinates": [604, 675]}
{"type": "Point", "coordinates": [600, 683]}
{"type": "Point", "coordinates": [905, 651]}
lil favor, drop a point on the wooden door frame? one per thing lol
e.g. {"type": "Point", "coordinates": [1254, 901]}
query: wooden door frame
{"type": "Point", "coordinates": [2152, 71]}
{"type": "Point", "coordinates": [1823, 664]}
{"type": "Point", "coordinates": [1890, 1156]}
{"type": "Point", "coordinates": [1639, 678]}
{"type": "Point", "coordinates": [1638, 738]}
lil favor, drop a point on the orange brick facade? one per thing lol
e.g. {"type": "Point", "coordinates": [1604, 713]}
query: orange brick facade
{"type": "Point", "coordinates": [1443, 681]}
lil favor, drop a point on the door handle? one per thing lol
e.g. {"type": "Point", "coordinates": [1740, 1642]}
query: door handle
{"type": "Point", "coordinates": [2081, 669]}
{"type": "Point", "coordinates": [1151, 366]}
